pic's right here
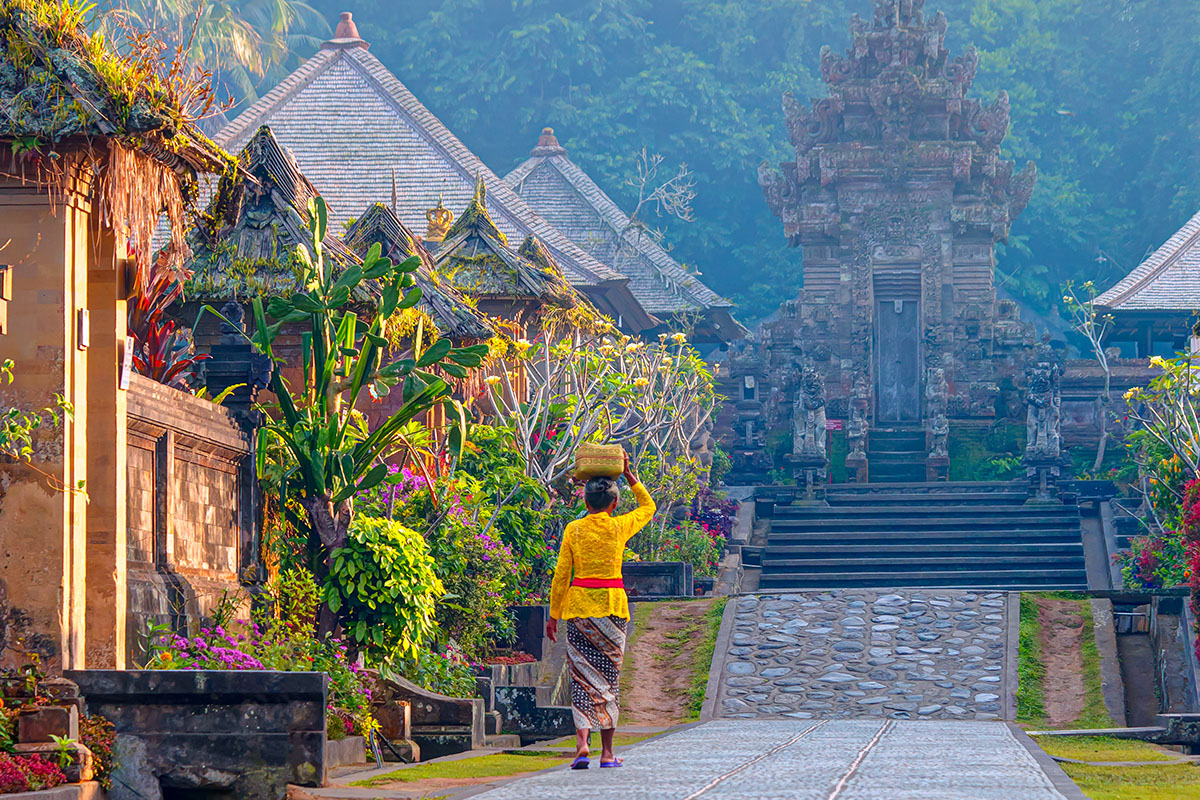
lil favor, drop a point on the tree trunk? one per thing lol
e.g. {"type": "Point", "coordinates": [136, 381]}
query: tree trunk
{"type": "Point", "coordinates": [332, 525]}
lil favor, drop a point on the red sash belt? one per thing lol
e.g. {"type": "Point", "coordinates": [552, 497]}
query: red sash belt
{"type": "Point", "coordinates": [599, 583]}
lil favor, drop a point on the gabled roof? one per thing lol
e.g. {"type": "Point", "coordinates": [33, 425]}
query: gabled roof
{"type": "Point", "coordinates": [450, 311]}
{"type": "Point", "coordinates": [566, 196]}
{"type": "Point", "coordinates": [350, 122]}
{"type": "Point", "coordinates": [243, 246]}
{"type": "Point", "coordinates": [476, 257]}
{"type": "Point", "coordinates": [1169, 280]}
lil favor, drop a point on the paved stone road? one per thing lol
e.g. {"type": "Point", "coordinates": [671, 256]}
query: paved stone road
{"type": "Point", "coordinates": [817, 760]}
{"type": "Point", "coordinates": [855, 653]}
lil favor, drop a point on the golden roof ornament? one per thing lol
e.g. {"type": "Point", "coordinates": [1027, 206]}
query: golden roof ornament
{"type": "Point", "coordinates": [440, 219]}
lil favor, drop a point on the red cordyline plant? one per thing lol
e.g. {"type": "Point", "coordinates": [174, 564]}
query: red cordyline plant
{"type": "Point", "coordinates": [162, 350]}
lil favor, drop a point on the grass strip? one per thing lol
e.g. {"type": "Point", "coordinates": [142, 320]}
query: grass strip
{"type": "Point", "coordinates": [1150, 782]}
{"type": "Point", "coordinates": [1095, 712]}
{"type": "Point", "coordinates": [499, 765]}
{"type": "Point", "coordinates": [1100, 748]}
{"type": "Point", "coordinates": [1031, 671]}
{"type": "Point", "coordinates": [702, 661]}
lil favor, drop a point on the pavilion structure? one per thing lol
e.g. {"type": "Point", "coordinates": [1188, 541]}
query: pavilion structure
{"type": "Point", "coordinates": [358, 133]}
{"type": "Point", "coordinates": [1154, 307]}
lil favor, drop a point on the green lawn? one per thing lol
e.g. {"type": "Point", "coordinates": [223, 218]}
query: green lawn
{"type": "Point", "coordinates": [1151, 782]}
{"type": "Point", "coordinates": [702, 663]}
{"type": "Point", "coordinates": [499, 765]}
{"type": "Point", "coordinates": [1100, 748]}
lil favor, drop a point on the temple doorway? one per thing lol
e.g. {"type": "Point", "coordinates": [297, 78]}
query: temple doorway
{"type": "Point", "coordinates": [897, 349]}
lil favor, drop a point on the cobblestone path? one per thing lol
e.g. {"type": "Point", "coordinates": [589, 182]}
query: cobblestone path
{"type": "Point", "coordinates": [817, 760]}
{"type": "Point", "coordinates": [850, 654]}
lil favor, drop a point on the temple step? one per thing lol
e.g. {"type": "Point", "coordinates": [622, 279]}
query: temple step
{"type": "Point", "coordinates": [944, 535]}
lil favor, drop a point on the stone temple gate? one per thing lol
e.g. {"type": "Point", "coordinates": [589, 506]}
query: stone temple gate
{"type": "Point", "coordinates": [897, 194]}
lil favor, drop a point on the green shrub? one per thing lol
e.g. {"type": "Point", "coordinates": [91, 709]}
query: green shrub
{"type": "Point", "coordinates": [383, 586]}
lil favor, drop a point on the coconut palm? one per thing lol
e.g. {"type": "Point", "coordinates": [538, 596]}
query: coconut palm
{"type": "Point", "coordinates": [246, 45]}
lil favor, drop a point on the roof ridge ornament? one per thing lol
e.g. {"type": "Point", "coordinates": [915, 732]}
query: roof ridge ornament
{"type": "Point", "coordinates": [439, 220]}
{"type": "Point", "coordinates": [345, 35]}
{"type": "Point", "coordinates": [548, 145]}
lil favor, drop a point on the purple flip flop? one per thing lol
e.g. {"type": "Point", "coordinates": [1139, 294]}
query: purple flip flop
{"type": "Point", "coordinates": [608, 764]}
{"type": "Point", "coordinates": [581, 762]}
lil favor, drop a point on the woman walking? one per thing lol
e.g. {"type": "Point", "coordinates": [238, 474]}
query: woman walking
{"type": "Point", "coordinates": [589, 593]}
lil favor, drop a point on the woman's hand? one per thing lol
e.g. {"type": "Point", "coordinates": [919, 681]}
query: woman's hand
{"type": "Point", "coordinates": [630, 477]}
{"type": "Point", "coordinates": [552, 629]}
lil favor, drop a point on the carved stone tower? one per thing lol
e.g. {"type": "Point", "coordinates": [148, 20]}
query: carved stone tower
{"type": "Point", "coordinates": [898, 195]}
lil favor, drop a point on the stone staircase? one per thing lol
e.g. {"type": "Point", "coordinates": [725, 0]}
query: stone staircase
{"type": "Point", "coordinates": [896, 455]}
{"type": "Point", "coordinates": [952, 535]}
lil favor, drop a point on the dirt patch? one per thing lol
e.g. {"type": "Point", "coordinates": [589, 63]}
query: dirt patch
{"type": "Point", "coordinates": [659, 664]}
{"type": "Point", "coordinates": [1062, 654]}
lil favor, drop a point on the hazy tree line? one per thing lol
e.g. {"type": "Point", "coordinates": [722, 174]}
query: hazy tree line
{"type": "Point", "coordinates": [1104, 99]}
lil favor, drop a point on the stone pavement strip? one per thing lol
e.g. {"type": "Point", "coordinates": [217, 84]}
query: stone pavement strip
{"type": "Point", "coordinates": [791, 759]}
{"type": "Point", "coordinates": [855, 653]}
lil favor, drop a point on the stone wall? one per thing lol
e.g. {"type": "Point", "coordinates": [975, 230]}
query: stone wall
{"type": "Point", "coordinates": [192, 507]}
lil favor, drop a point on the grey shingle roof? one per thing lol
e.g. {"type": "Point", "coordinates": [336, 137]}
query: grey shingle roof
{"type": "Point", "coordinates": [567, 196]}
{"type": "Point", "coordinates": [1169, 280]}
{"type": "Point", "coordinates": [350, 123]}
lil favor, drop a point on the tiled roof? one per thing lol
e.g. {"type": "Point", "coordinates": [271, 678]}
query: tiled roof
{"type": "Point", "coordinates": [566, 196]}
{"type": "Point", "coordinates": [451, 312]}
{"type": "Point", "coordinates": [350, 123]}
{"type": "Point", "coordinates": [1169, 280]}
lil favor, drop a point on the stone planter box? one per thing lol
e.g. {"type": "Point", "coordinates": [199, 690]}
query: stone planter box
{"type": "Point", "coordinates": [658, 579]}
{"type": "Point", "coordinates": [342, 752]}
{"type": "Point", "coordinates": [241, 734]}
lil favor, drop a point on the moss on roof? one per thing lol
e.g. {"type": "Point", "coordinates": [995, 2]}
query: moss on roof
{"type": "Point", "coordinates": [59, 81]}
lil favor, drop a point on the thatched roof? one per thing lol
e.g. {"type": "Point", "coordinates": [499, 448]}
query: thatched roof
{"type": "Point", "coordinates": [476, 257]}
{"type": "Point", "coordinates": [59, 83]}
{"type": "Point", "coordinates": [450, 311]}
{"type": "Point", "coordinates": [249, 233]}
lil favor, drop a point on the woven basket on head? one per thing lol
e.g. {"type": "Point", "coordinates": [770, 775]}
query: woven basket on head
{"type": "Point", "coordinates": [599, 460]}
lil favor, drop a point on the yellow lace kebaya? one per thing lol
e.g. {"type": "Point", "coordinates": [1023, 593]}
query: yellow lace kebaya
{"type": "Point", "coordinates": [593, 547]}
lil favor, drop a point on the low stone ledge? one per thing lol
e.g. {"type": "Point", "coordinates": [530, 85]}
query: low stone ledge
{"type": "Point", "coordinates": [343, 752]}
{"type": "Point", "coordinates": [249, 733]}
{"type": "Point", "coordinates": [658, 579]}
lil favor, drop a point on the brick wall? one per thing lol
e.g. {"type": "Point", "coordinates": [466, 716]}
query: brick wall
{"type": "Point", "coordinates": [192, 507]}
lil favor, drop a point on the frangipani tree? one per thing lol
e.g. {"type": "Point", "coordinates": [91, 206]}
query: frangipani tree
{"type": "Point", "coordinates": [329, 452]}
{"type": "Point", "coordinates": [1166, 410]}
{"type": "Point", "coordinates": [654, 398]}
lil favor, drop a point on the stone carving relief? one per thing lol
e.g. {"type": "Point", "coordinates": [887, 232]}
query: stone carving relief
{"type": "Point", "coordinates": [809, 415]}
{"type": "Point", "coordinates": [1044, 414]}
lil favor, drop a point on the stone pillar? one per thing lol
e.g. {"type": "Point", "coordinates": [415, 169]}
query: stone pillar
{"type": "Point", "coordinates": [107, 527]}
{"type": "Point", "coordinates": [42, 522]}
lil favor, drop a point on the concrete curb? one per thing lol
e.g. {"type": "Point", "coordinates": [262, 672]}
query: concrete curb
{"type": "Point", "coordinates": [1112, 685]}
{"type": "Point", "coordinates": [717, 668]}
{"type": "Point", "coordinates": [1012, 655]}
{"type": "Point", "coordinates": [1059, 779]}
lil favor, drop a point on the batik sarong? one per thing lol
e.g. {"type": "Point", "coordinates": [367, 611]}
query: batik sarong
{"type": "Point", "coordinates": [595, 646]}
